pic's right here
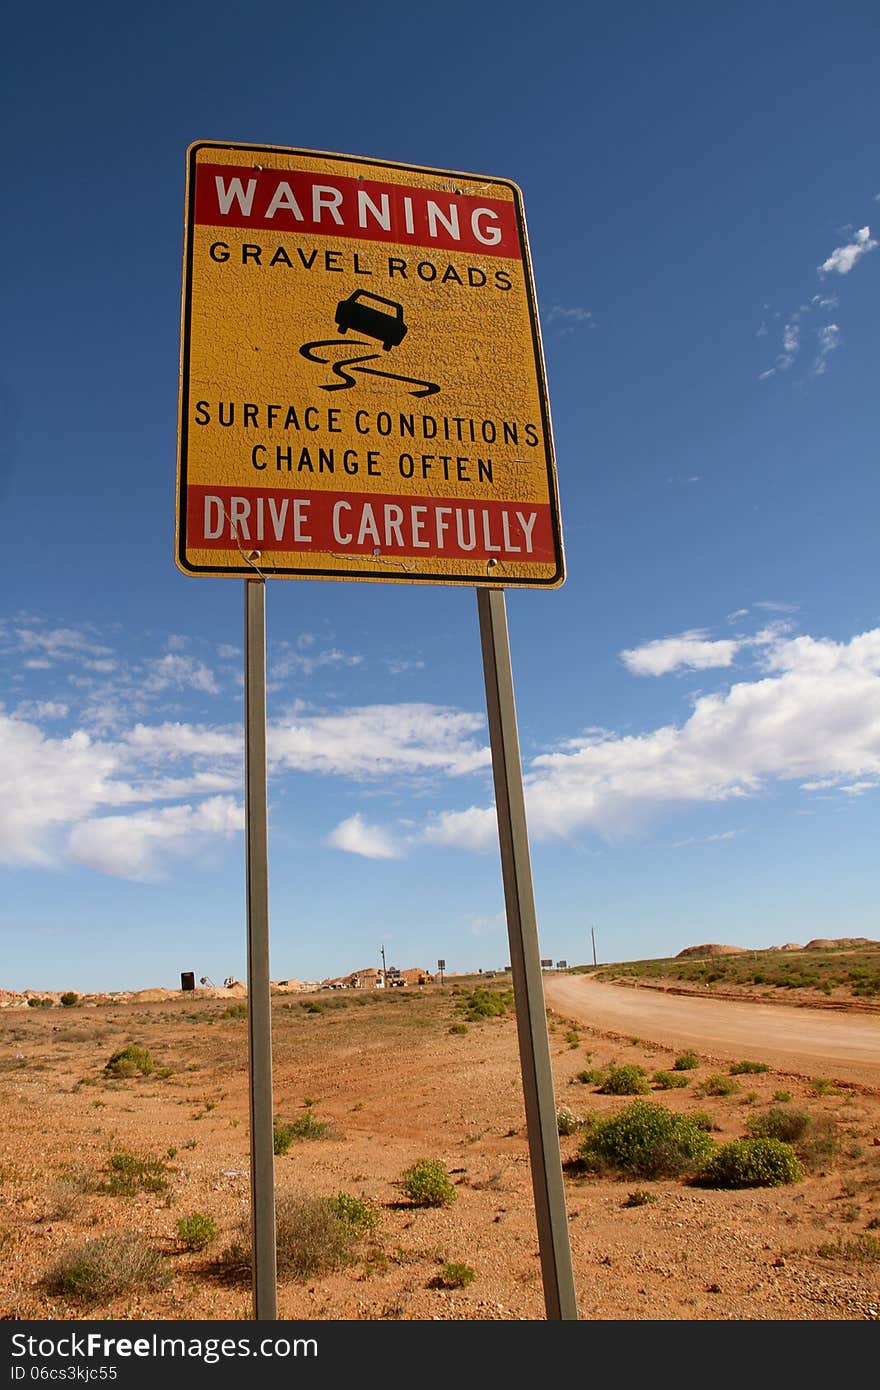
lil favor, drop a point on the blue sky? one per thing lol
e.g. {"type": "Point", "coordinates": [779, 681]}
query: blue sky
{"type": "Point", "coordinates": [699, 704]}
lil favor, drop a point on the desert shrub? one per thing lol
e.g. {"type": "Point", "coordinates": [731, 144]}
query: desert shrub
{"type": "Point", "coordinates": [669, 1080]}
{"type": "Point", "coordinates": [310, 1239]}
{"type": "Point", "coordinates": [306, 1126]}
{"type": "Point", "coordinates": [639, 1198]}
{"type": "Point", "coordinates": [686, 1061]}
{"type": "Point", "coordinates": [819, 1145]}
{"type": "Point", "coordinates": [196, 1231]}
{"type": "Point", "coordinates": [821, 1086]}
{"type": "Point", "coordinates": [235, 1011]}
{"type": "Point", "coordinates": [127, 1174]}
{"type": "Point", "coordinates": [481, 1003]}
{"type": "Point", "coordinates": [647, 1141]}
{"type": "Point", "coordinates": [862, 1248]}
{"type": "Point", "coordinates": [427, 1184]}
{"type": "Point", "coordinates": [718, 1085]}
{"type": "Point", "coordinates": [69, 999]}
{"type": "Point", "coordinates": [779, 1123]}
{"type": "Point", "coordinates": [782, 1097]}
{"type": "Point", "coordinates": [755, 1162]}
{"type": "Point", "coordinates": [312, 1006]}
{"type": "Point", "coordinates": [573, 1037]}
{"type": "Point", "coordinates": [39, 1003]}
{"type": "Point", "coordinates": [359, 1212]}
{"type": "Point", "coordinates": [592, 1076]}
{"type": "Point", "coordinates": [747, 1068]}
{"type": "Point", "coordinates": [453, 1276]}
{"type": "Point", "coordinates": [458, 1028]}
{"type": "Point", "coordinates": [128, 1061]}
{"type": "Point", "coordinates": [628, 1080]}
{"type": "Point", "coordinates": [100, 1269]}
{"type": "Point", "coordinates": [566, 1121]}
{"type": "Point", "coordinates": [703, 1120]}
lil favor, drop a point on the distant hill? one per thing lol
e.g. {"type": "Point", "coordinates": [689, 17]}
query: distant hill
{"type": "Point", "coordinates": [711, 949]}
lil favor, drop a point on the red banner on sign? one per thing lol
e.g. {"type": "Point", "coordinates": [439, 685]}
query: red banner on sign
{"type": "Point", "coordinates": [288, 200]}
{"type": "Point", "coordinates": [275, 519]}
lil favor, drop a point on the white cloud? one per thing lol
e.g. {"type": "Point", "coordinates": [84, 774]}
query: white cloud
{"type": "Point", "coordinates": [290, 661]}
{"type": "Point", "coordinates": [59, 644]}
{"type": "Point", "coordinates": [381, 740]}
{"type": "Point", "coordinates": [41, 709]}
{"type": "Point", "coordinates": [843, 258]}
{"type": "Point", "coordinates": [817, 716]}
{"type": "Point", "coordinates": [692, 650]}
{"type": "Point", "coordinates": [46, 783]}
{"type": "Point", "coordinates": [474, 829]}
{"type": "Point", "coordinates": [180, 672]}
{"type": "Point", "coordinates": [134, 846]}
{"type": "Point", "coordinates": [706, 839]}
{"type": "Point", "coordinates": [829, 340]}
{"type": "Point", "coordinates": [357, 837]}
{"type": "Point", "coordinates": [569, 317]}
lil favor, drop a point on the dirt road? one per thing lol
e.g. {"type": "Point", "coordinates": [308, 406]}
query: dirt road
{"type": "Point", "coordinates": [809, 1042]}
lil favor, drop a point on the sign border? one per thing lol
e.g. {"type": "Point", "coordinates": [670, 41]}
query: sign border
{"type": "Point", "coordinates": [269, 571]}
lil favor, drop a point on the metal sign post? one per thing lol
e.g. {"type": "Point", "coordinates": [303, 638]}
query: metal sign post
{"type": "Point", "coordinates": [259, 1002]}
{"type": "Point", "coordinates": [531, 1018]}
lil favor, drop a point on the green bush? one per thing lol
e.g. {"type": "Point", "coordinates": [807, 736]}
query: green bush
{"type": "Point", "coordinates": [128, 1061]}
{"type": "Point", "coordinates": [821, 1086]}
{"type": "Point", "coordinates": [628, 1080]}
{"type": "Point", "coordinates": [453, 1276]}
{"type": "Point", "coordinates": [427, 1184]}
{"type": "Point", "coordinates": [639, 1198]}
{"type": "Point", "coordinates": [780, 1123]}
{"type": "Point", "coordinates": [305, 1126]}
{"type": "Point", "coordinates": [481, 1003]}
{"type": "Point", "coordinates": [458, 1028]}
{"type": "Point", "coordinates": [756, 1162]}
{"type": "Point", "coordinates": [359, 1212]}
{"type": "Point", "coordinates": [669, 1080]}
{"type": "Point", "coordinates": [592, 1076]}
{"type": "Point", "coordinates": [746, 1068]}
{"type": "Point", "coordinates": [783, 1097]}
{"type": "Point", "coordinates": [718, 1085]}
{"type": "Point", "coordinates": [127, 1174]}
{"type": "Point", "coordinates": [687, 1061]}
{"type": "Point", "coordinates": [35, 1003]}
{"type": "Point", "coordinates": [646, 1141]}
{"type": "Point", "coordinates": [196, 1231]}
{"type": "Point", "coordinates": [69, 999]}
{"type": "Point", "coordinates": [102, 1268]}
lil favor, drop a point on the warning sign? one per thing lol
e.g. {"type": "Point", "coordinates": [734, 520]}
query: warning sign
{"type": "Point", "coordinates": [362, 384]}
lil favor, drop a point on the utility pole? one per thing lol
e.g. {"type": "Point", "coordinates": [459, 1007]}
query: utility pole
{"type": "Point", "coordinates": [593, 934]}
{"type": "Point", "coordinates": [384, 970]}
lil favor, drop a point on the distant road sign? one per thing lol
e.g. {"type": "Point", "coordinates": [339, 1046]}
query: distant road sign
{"type": "Point", "coordinates": [562, 965]}
{"type": "Point", "coordinates": [545, 964]}
{"type": "Point", "coordinates": [362, 383]}
{"type": "Point", "coordinates": [441, 965]}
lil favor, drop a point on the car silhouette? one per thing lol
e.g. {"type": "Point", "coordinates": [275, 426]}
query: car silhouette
{"type": "Point", "coordinates": [357, 312]}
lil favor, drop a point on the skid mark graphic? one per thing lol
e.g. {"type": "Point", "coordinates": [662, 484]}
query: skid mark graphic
{"type": "Point", "coordinates": [310, 351]}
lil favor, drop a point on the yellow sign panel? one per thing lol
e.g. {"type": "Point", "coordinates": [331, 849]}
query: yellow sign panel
{"type": "Point", "coordinates": [362, 385]}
